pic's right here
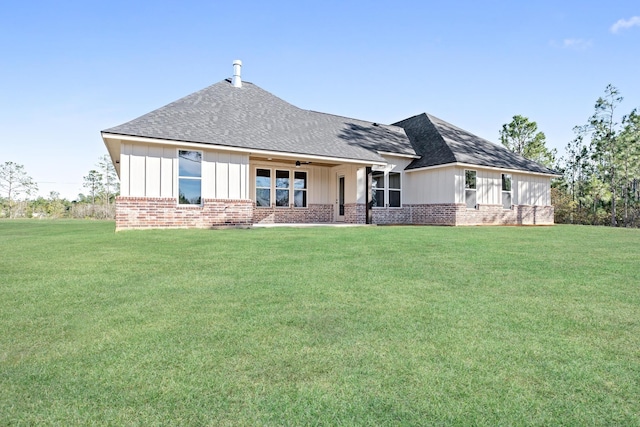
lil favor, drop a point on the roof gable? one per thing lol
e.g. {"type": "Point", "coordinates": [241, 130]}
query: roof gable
{"type": "Point", "coordinates": [250, 117]}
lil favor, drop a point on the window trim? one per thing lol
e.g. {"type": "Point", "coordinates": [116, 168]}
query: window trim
{"type": "Point", "coordinates": [503, 191]}
{"type": "Point", "coordinates": [273, 187]}
{"type": "Point", "coordinates": [194, 178]}
{"type": "Point", "coordinates": [475, 189]}
{"type": "Point", "coordinates": [387, 189]}
{"type": "Point", "coordinates": [256, 188]}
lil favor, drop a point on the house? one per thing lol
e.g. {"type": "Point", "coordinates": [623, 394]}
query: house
{"type": "Point", "coordinates": [233, 154]}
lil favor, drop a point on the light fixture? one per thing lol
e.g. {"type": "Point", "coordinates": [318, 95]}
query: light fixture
{"type": "Point", "coordinates": [297, 163]}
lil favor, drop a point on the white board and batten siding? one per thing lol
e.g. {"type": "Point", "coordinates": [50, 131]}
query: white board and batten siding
{"type": "Point", "coordinates": [152, 171]}
{"type": "Point", "coordinates": [430, 186]}
{"type": "Point", "coordinates": [526, 189]}
{"type": "Point", "coordinates": [446, 185]}
{"type": "Point", "coordinates": [532, 190]}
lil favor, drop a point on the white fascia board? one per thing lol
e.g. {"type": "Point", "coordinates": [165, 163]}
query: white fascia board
{"type": "Point", "coordinates": [470, 166]}
{"type": "Point", "coordinates": [250, 151]}
{"type": "Point", "coordinates": [408, 156]}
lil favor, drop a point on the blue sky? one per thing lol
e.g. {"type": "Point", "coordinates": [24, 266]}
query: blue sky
{"type": "Point", "coordinates": [69, 69]}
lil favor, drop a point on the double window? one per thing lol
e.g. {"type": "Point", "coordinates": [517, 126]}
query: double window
{"type": "Point", "coordinates": [386, 189]}
{"type": "Point", "coordinates": [506, 191]}
{"type": "Point", "coordinates": [283, 189]}
{"type": "Point", "coordinates": [189, 177]}
{"type": "Point", "coordinates": [470, 189]}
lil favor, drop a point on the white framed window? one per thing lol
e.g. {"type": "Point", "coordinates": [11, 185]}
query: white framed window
{"type": "Point", "coordinates": [506, 191]}
{"type": "Point", "coordinates": [282, 190]}
{"type": "Point", "coordinates": [386, 189]}
{"type": "Point", "coordinates": [263, 188]}
{"type": "Point", "coordinates": [377, 189]}
{"type": "Point", "coordinates": [189, 177]}
{"type": "Point", "coordinates": [299, 189]}
{"type": "Point", "coordinates": [395, 189]}
{"type": "Point", "coordinates": [470, 188]}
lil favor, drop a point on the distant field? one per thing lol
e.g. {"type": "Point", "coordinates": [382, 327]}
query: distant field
{"type": "Point", "coordinates": [320, 326]}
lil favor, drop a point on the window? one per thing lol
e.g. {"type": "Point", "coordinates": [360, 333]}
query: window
{"type": "Point", "coordinates": [263, 187]}
{"type": "Point", "coordinates": [377, 189]}
{"type": "Point", "coordinates": [300, 189]}
{"type": "Point", "coordinates": [394, 190]}
{"type": "Point", "coordinates": [506, 191]}
{"type": "Point", "coordinates": [386, 186]}
{"type": "Point", "coordinates": [189, 177]}
{"type": "Point", "coordinates": [281, 188]}
{"type": "Point", "coordinates": [470, 188]}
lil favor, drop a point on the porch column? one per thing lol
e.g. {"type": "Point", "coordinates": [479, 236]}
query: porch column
{"type": "Point", "coordinates": [369, 201]}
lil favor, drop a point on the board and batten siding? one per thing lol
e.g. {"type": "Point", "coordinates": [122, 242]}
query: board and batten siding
{"type": "Point", "coordinates": [431, 186]}
{"type": "Point", "coordinates": [526, 189]}
{"type": "Point", "coordinates": [532, 190]}
{"type": "Point", "coordinates": [152, 171]}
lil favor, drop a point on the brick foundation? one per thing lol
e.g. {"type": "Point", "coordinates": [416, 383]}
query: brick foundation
{"type": "Point", "coordinates": [317, 213]}
{"type": "Point", "coordinates": [355, 213]}
{"type": "Point", "coordinates": [146, 212]}
{"type": "Point", "coordinates": [142, 212]}
{"type": "Point", "coordinates": [496, 215]}
{"type": "Point", "coordinates": [458, 214]}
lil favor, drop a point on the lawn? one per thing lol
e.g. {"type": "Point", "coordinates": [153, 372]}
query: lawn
{"type": "Point", "coordinates": [318, 326]}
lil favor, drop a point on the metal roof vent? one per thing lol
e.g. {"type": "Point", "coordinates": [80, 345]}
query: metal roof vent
{"type": "Point", "coordinates": [236, 81]}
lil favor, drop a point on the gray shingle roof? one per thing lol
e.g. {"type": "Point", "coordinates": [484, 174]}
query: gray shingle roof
{"type": "Point", "coordinates": [250, 117]}
{"type": "Point", "coordinates": [439, 143]}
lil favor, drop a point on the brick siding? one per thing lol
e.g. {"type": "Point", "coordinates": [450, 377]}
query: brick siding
{"type": "Point", "coordinates": [142, 212]}
{"type": "Point", "coordinates": [147, 212]}
{"type": "Point", "coordinates": [355, 213]}
{"type": "Point", "coordinates": [497, 215]}
{"type": "Point", "coordinates": [316, 213]}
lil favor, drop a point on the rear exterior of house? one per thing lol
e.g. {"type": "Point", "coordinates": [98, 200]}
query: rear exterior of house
{"type": "Point", "coordinates": [233, 155]}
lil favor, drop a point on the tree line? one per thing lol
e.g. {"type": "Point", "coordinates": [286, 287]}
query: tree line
{"type": "Point", "coordinates": [600, 169]}
{"type": "Point", "coordinates": [17, 191]}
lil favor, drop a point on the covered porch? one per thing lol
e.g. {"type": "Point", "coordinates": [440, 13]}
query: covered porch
{"type": "Point", "coordinates": [303, 190]}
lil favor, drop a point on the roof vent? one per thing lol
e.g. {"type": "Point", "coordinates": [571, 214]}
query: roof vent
{"type": "Point", "coordinates": [236, 81]}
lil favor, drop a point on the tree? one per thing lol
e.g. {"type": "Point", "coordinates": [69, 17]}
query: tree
{"type": "Point", "coordinates": [629, 139]}
{"type": "Point", "coordinates": [15, 182]}
{"type": "Point", "coordinates": [605, 142]}
{"type": "Point", "coordinates": [522, 137]}
{"type": "Point", "coordinates": [110, 186]}
{"type": "Point", "coordinates": [93, 183]}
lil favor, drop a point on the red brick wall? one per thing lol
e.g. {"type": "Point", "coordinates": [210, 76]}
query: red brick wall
{"type": "Point", "coordinates": [141, 212]}
{"type": "Point", "coordinates": [355, 213]}
{"type": "Point", "coordinates": [438, 214]}
{"type": "Point", "coordinates": [391, 215]}
{"type": "Point", "coordinates": [146, 212]}
{"type": "Point", "coordinates": [316, 213]}
{"type": "Point", "coordinates": [458, 214]}
{"type": "Point", "coordinates": [496, 215]}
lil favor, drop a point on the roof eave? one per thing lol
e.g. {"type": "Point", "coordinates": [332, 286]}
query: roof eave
{"type": "Point", "coordinates": [470, 165]}
{"type": "Point", "coordinates": [250, 151]}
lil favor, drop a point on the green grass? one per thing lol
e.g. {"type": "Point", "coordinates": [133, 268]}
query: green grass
{"type": "Point", "coordinates": [318, 326]}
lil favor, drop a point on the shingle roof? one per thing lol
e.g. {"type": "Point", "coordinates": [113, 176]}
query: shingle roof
{"type": "Point", "coordinates": [250, 117]}
{"type": "Point", "coordinates": [439, 143]}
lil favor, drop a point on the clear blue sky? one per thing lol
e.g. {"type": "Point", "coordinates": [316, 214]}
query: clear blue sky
{"type": "Point", "coordinates": [69, 69]}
